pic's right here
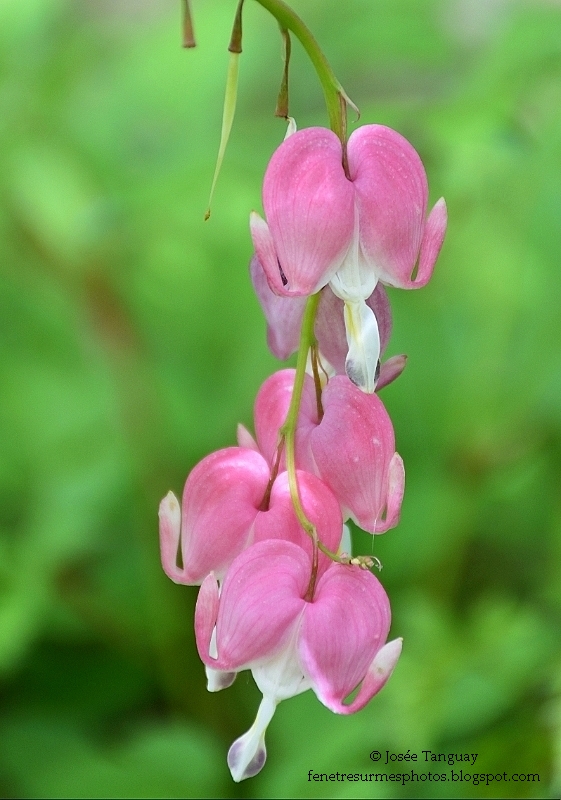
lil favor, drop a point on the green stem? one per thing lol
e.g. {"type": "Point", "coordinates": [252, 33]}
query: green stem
{"type": "Point", "coordinates": [288, 430]}
{"type": "Point", "coordinates": [335, 96]}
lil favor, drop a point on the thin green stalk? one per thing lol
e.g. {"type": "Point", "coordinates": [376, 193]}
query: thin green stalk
{"type": "Point", "coordinates": [288, 430]}
{"type": "Point", "coordinates": [288, 434]}
{"type": "Point", "coordinates": [335, 96]}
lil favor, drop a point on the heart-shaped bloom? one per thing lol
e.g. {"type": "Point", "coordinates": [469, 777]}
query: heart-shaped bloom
{"type": "Point", "coordinates": [352, 447]}
{"type": "Point", "coordinates": [226, 507]}
{"type": "Point", "coordinates": [351, 232]}
{"type": "Point", "coordinates": [263, 620]}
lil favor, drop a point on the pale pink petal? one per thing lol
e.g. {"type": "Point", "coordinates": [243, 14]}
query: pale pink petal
{"type": "Point", "coordinates": [266, 252]}
{"type": "Point", "coordinates": [390, 370]}
{"type": "Point", "coordinates": [170, 532]}
{"type": "Point", "coordinates": [352, 448]}
{"type": "Point", "coordinates": [320, 506]}
{"type": "Point", "coordinates": [309, 206]}
{"type": "Point", "coordinates": [283, 314]}
{"type": "Point", "coordinates": [245, 439]}
{"type": "Point", "coordinates": [342, 630]}
{"type": "Point", "coordinates": [433, 237]}
{"type": "Point", "coordinates": [391, 195]}
{"type": "Point", "coordinates": [220, 502]}
{"type": "Point", "coordinates": [396, 488]}
{"type": "Point", "coordinates": [206, 612]}
{"type": "Point", "coordinates": [260, 602]}
{"type": "Point", "coordinates": [375, 679]}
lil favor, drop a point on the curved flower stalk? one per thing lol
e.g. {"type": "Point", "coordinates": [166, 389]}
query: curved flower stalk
{"type": "Point", "coordinates": [352, 447]}
{"type": "Point", "coordinates": [229, 502]}
{"type": "Point", "coordinates": [349, 232]}
{"type": "Point", "coordinates": [264, 622]}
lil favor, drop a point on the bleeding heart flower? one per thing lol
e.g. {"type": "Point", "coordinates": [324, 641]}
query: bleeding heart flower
{"type": "Point", "coordinates": [351, 448]}
{"type": "Point", "coordinates": [349, 231]}
{"type": "Point", "coordinates": [264, 619]}
{"type": "Point", "coordinates": [228, 504]}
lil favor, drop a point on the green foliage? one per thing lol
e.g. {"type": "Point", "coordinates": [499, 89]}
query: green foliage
{"type": "Point", "coordinates": [131, 345]}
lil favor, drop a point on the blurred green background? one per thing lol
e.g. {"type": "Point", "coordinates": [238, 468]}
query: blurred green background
{"type": "Point", "coordinates": [131, 344]}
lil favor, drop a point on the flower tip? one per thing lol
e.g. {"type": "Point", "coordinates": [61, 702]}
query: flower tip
{"type": "Point", "coordinates": [247, 755]}
{"type": "Point", "coordinates": [291, 128]}
{"type": "Point", "coordinates": [217, 679]}
{"type": "Point", "coordinates": [390, 370]}
{"type": "Point", "coordinates": [170, 506]}
{"type": "Point", "coordinates": [240, 769]}
{"type": "Point", "coordinates": [169, 514]}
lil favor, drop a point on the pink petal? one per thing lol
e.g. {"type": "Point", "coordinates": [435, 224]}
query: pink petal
{"type": "Point", "coordinates": [206, 612]}
{"type": "Point", "coordinates": [220, 502]}
{"type": "Point", "coordinates": [396, 488]}
{"type": "Point", "coordinates": [309, 206]}
{"type": "Point", "coordinates": [391, 194]}
{"type": "Point", "coordinates": [352, 448]}
{"type": "Point", "coordinates": [378, 674]}
{"type": "Point", "coordinates": [433, 237]}
{"type": "Point", "coordinates": [271, 407]}
{"type": "Point", "coordinates": [260, 602]}
{"type": "Point", "coordinates": [266, 253]}
{"type": "Point", "coordinates": [320, 506]}
{"type": "Point", "coordinates": [283, 314]}
{"type": "Point", "coordinates": [342, 630]}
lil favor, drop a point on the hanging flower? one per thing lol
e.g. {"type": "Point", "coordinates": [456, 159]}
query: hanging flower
{"type": "Point", "coordinates": [264, 619]}
{"type": "Point", "coordinates": [324, 227]}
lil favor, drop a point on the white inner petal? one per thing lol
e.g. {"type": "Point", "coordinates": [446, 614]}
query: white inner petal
{"type": "Point", "coordinates": [247, 755]}
{"type": "Point", "coordinates": [363, 338]}
{"type": "Point", "coordinates": [355, 279]}
{"type": "Point", "coordinates": [281, 677]}
{"type": "Point", "coordinates": [354, 282]}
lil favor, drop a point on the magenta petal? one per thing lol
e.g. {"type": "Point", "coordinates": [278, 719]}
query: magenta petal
{"type": "Point", "coordinates": [271, 407]}
{"type": "Point", "coordinates": [283, 314]}
{"type": "Point", "coordinates": [220, 502]}
{"type": "Point", "coordinates": [320, 506]}
{"type": "Point", "coordinates": [391, 195]}
{"type": "Point", "coordinates": [352, 447]}
{"type": "Point", "coordinates": [260, 602]}
{"type": "Point", "coordinates": [309, 206]}
{"type": "Point", "coordinates": [342, 630]}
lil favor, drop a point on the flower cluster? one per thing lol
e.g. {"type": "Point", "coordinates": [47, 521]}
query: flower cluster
{"type": "Point", "coordinates": [261, 525]}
